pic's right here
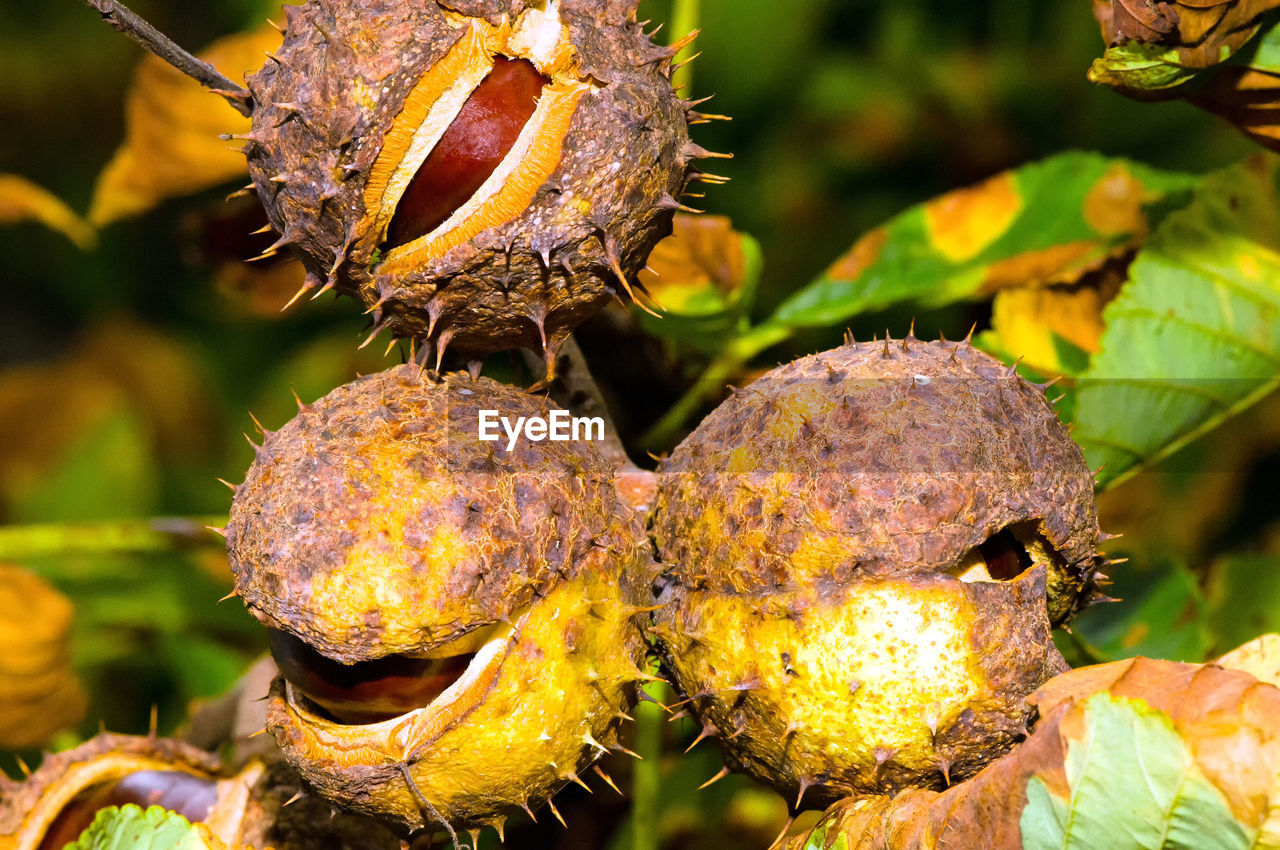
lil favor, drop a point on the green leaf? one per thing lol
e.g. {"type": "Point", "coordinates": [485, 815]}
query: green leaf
{"type": "Point", "coordinates": [1136, 66]}
{"type": "Point", "coordinates": [1047, 221]}
{"type": "Point", "coordinates": [818, 840]}
{"type": "Point", "coordinates": [131, 828]}
{"type": "Point", "coordinates": [1194, 336]}
{"type": "Point", "coordinates": [1133, 783]}
{"type": "Point", "coordinates": [1162, 616]}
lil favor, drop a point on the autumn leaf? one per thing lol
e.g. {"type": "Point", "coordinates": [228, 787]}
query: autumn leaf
{"type": "Point", "coordinates": [40, 694]}
{"type": "Point", "coordinates": [173, 126]}
{"type": "Point", "coordinates": [1168, 755]}
{"type": "Point", "coordinates": [1203, 32]}
{"type": "Point", "coordinates": [699, 268]}
{"type": "Point", "coordinates": [703, 277]}
{"type": "Point", "coordinates": [21, 200]}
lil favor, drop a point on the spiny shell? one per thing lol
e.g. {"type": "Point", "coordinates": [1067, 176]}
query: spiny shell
{"type": "Point", "coordinates": [815, 528]}
{"type": "Point", "coordinates": [377, 523]}
{"type": "Point", "coordinates": [256, 806]}
{"type": "Point", "coordinates": [355, 99]}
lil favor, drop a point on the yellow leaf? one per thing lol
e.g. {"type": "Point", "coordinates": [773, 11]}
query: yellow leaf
{"type": "Point", "coordinates": [172, 128]}
{"type": "Point", "coordinates": [21, 200]}
{"type": "Point", "coordinates": [699, 267]}
{"type": "Point", "coordinates": [963, 223]}
{"type": "Point", "coordinates": [1259, 657]}
{"type": "Point", "coordinates": [1027, 319]}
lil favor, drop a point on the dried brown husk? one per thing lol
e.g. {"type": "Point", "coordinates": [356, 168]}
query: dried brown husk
{"type": "Point", "coordinates": [376, 523]}
{"type": "Point", "coordinates": [814, 527]}
{"type": "Point", "coordinates": [335, 113]}
{"type": "Point", "coordinates": [259, 805]}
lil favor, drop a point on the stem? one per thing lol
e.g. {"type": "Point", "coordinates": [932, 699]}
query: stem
{"type": "Point", "coordinates": [157, 534]}
{"type": "Point", "coordinates": [124, 20]}
{"type": "Point", "coordinates": [684, 19]}
{"type": "Point", "coordinates": [711, 382]}
{"type": "Point", "coordinates": [646, 778]}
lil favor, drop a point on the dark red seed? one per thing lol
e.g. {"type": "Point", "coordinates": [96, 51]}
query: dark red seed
{"type": "Point", "coordinates": [193, 797]}
{"type": "Point", "coordinates": [470, 150]}
{"type": "Point", "coordinates": [1006, 558]}
{"type": "Point", "coordinates": [366, 692]}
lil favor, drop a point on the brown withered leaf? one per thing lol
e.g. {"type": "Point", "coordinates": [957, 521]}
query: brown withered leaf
{"type": "Point", "coordinates": [1247, 97]}
{"type": "Point", "coordinates": [1203, 31]}
{"type": "Point", "coordinates": [1213, 733]}
{"type": "Point", "coordinates": [21, 200]}
{"type": "Point", "coordinates": [172, 129]}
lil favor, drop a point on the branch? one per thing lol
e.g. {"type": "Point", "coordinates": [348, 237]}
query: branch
{"type": "Point", "coordinates": [124, 20]}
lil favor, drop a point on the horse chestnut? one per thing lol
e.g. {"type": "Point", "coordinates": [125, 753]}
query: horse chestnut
{"type": "Point", "coordinates": [867, 548]}
{"type": "Point", "coordinates": [455, 619]}
{"type": "Point", "coordinates": [481, 173]}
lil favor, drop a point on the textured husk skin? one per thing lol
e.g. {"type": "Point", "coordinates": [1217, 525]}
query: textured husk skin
{"type": "Point", "coordinates": [342, 76]}
{"type": "Point", "coordinates": [375, 522]}
{"type": "Point", "coordinates": [808, 526]}
{"type": "Point", "coordinates": [553, 708]}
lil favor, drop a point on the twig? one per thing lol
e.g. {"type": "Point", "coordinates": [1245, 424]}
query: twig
{"type": "Point", "coordinates": [124, 20]}
{"type": "Point", "coordinates": [158, 534]}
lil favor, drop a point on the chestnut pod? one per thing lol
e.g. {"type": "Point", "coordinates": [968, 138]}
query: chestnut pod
{"type": "Point", "coordinates": [867, 550]}
{"type": "Point", "coordinates": [483, 174]}
{"type": "Point", "coordinates": [456, 618]}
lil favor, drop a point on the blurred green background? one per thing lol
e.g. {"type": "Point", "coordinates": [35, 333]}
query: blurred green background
{"type": "Point", "coordinates": [127, 375]}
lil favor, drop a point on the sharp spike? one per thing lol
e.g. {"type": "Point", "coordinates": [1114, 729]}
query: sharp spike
{"type": "Point", "coordinates": [295, 798]}
{"type": "Point", "coordinates": [528, 811]}
{"type": "Point", "coordinates": [618, 748]}
{"type": "Point", "coordinates": [724, 771]}
{"type": "Point", "coordinates": [233, 487]}
{"type": "Point", "coordinates": [708, 729]}
{"type": "Point", "coordinates": [232, 595]}
{"type": "Point", "coordinates": [22, 765]}
{"type": "Point", "coordinates": [221, 531]}
{"type": "Point", "coordinates": [309, 282]}
{"type": "Point", "coordinates": [577, 780]}
{"type": "Point", "coordinates": [442, 344]}
{"type": "Point", "coordinates": [804, 786]}
{"type": "Point", "coordinates": [556, 812]}
{"type": "Point", "coordinates": [608, 780]}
